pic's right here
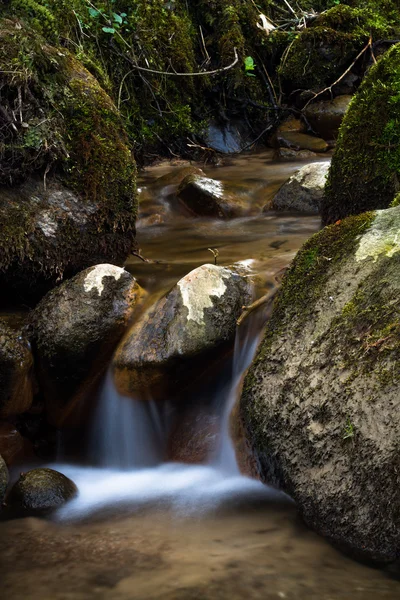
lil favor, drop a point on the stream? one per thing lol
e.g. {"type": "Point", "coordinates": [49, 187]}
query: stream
{"type": "Point", "coordinates": [145, 526]}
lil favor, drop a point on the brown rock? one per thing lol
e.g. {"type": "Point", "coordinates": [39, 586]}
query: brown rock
{"type": "Point", "coordinates": [302, 141]}
{"type": "Point", "coordinates": [176, 176]}
{"type": "Point", "coordinates": [325, 117]}
{"type": "Point", "coordinates": [16, 365]}
{"type": "Point", "coordinates": [194, 437]}
{"type": "Point", "coordinates": [207, 197]}
{"type": "Point", "coordinates": [291, 124]}
{"type": "Point", "coordinates": [11, 442]}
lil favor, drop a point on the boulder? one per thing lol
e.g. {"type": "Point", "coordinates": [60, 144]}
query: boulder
{"type": "Point", "coordinates": [325, 117]}
{"type": "Point", "coordinates": [11, 442]}
{"type": "Point", "coordinates": [365, 169]}
{"type": "Point", "coordinates": [227, 139]}
{"type": "Point", "coordinates": [3, 479]}
{"type": "Point", "coordinates": [16, 366]}
{"type": "Point", "coordinates": [40, 491]}
{"type": "Point", "coordinates": [182, 332]}
{"type": "Point", "coordinates": [67, 176]}
{"type": "Point", "coordinates": [304, 190]}
{"type": "Point", "coordinates": [194, 437]}
{"type": "Point", "coordinates": [74, 330]}
{"type": "Point", "coordinates": [320, 401]}
{"type": "Point", "coordinates": [207, 197]}
{"type": "Point", "coordinates": [291, 124]}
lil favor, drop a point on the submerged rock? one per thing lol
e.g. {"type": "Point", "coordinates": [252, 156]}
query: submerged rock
{"type": "Point", "coordinates": [40, 491]}
{"type": "Point", "coordinates": [304, 190]}
{"type": "Point", "coordinates": [3, 479]}
{"type": "Point", "coordinates": [179, 334]}
{"type": "Point", "coordinates": [176, 176]}
{"type": "Point", "coordinates": [16, 366]}
{"type": "Point", "coordinates": [325, 117]}
{"type": "Point", "coordinates": [210, 198]}
{"type": "Point", "coordinates": [11, 442]}
{"type": "Point", "coordinates": [301, 141]}
{"type": "Point", "coordinates": [365, 169]}
{"type": "Point", "coordinates": [320, 400]}
{"type": "Point", "coordinates": [75, 328]}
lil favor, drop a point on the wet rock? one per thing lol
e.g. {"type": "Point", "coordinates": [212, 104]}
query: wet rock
{"type": "Point", "coordinates": [16, 365]}
{"type": "Point", "coordinates": [227, 139]}
{"type": "Point", "coordinates": [176, 176]}
{"type": "Point", "coordinates": [301, 141]}
{"type": "Point", "coordinates": [40, 491]}
{"type": "Point", "coordinates": [325, 117]}
{"type": "Point", "coordinates": [3, 479]}
{"type": "Point", "coordinates": [319, 402]}
{"type": "Point", "coordinates": [304, 190]}
{"type": "Point", "coordinates": [11, 442]}
{"type": "Point", "coordinates": [179, 335]}
{"type": "Point", "coordinates": [194, 437]}
{"type": "Point", "coordinates": [291, 124]}
{"type": "Point", "coordinates": [75, 328]}
{"type": "Point", "coordinates": [290, 154]}
{"type": "Point", "coordinates": [210, 198]}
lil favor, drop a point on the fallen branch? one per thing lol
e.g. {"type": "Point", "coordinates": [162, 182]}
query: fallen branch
{"type": "Point", "coordinates": [248, 309]}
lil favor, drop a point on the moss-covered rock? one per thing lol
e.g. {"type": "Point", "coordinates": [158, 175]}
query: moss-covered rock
{"type": "Point", "coordinates": [63, 141]}
{"type": "Point", "coordinates": [16, 366]}
{"type": "Point", "coordinates": [319, 400]}
{"type": "Point", "coordinates": [40, 491]}
{"type": "Point", "coordinates": [365, 170]}
{"type": "Point", "coordinates": [74, 330]}
{"type": "Point", "coordinates": [3, 479]}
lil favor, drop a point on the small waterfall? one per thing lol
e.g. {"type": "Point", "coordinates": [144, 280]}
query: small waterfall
{"type": "Point", "coordinates": [127, 433]}
{"type": "Point", "coordinates": [246, 341]}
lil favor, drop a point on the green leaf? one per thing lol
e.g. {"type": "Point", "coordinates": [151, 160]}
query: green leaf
{"type": "Point", "coordinates": [249, 63]}
{"type": "Point", "coordinates": [117, 18]}
{"type": "Point", "coordinates": [124, 15]}
{"type": "Point", "coordinates": [93, 12]}
{"type": "Point", "coordinates": [108, 29]}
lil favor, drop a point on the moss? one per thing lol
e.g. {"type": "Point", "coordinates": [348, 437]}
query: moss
{"type": "Point", "coordinates": [365, 169]}
{"type": "Point", "coordinates": [312, 267]}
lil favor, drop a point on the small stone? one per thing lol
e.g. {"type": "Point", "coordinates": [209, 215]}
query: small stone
{"type": "Point", "coordinates": [41, 491]}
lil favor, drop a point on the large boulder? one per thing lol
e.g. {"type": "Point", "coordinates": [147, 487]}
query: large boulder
{"type": "Point", "coordinates": [304, 190]}
{"type": "Point", "coordinates": [207, 197]}
{"type": "Point", "coordinates": [365, 169]}
{"type": "Point", "coordinates": [74, 330]}
{"type": "Point", "coordinates": [16, 367]}
{"type": "Point", "coordinates": [40, 491]}
{"type": "Point", "coordinates": [320, 401]}
{"type": "Point", "coordinates": [67, 176]}
{"type": "Point", "coordinates": [179, 334]}
{"type": "Point", "coordinates": [3, 479]}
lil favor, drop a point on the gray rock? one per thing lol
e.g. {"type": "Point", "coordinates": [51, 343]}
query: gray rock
{"type": "Point", "coordinates": [226, 140]}
{"type": "Point", "coordinates": [16, 366]}
{"type": "Point", "coordinates": [210, 198]}
{"type": "Point", "coordinates": [3, 479]}
{"type": "Point", "coordinates": [320, 402]}
{"type": "Point", "coordinates": [75, 328]}
{"type": "Point", "coordinates": [40, 491]}
{"type": "Point", "coordinates": [198, 316]}
{"type": "Point", "coordinates": [304, 190]}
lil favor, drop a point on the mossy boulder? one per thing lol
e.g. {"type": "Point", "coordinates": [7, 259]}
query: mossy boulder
{"type": "Point", "coordinates": [75, 328]}
{"type": "Point", "coordinates": [16, 370]}
{"type": "Point", "coordinates": [365, 170]}
{"type": "Point", "coordinates": [319, 402]}
{"type": "Point", "coordinates": [3, 479]}
{"type": "Point", "coordinates": [40, 491]}
{"type": "Point", "coordinates": [182, 333]}
{"type": "Point", "coordinates": [67, 176]}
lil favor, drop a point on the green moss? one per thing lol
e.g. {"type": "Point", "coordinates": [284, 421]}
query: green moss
{"type": "Point", "coordinates": [312, 267]}
{"type": "Point", "coordinates": [365, 170]}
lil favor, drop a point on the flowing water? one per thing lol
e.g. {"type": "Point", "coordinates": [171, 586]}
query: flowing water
{"type": "Point", "coordinates": [146, 525]}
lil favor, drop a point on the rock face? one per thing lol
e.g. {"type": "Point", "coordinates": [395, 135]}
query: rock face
{"type": "Point", "coordinates": [67, 176]}
{"type": "Point", "coordinates": [177, 336]}
{"type": "Point", "coordinates": [365, 169]}
{"type": "Point", "coordinates": [75, 328]}
{"type": "Point", "coordinates": [16, 365]}
{"type": "Point", "coordinates": [41, 491]}
{"type": "Point", "coordinates": [304, 190]}
{"type": "Point", "coordinates": [325, 117]}
{"type": "Point", "coordinates": [3, 479]}
{"type": "Point", "coordinates": [320, 400]}
{"type": "Point", "coordinates": [209, 198]}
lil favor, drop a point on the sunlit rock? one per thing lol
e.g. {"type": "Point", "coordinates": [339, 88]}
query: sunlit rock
{"type": "Point", "coordinates": [320, 402]}
{"type": "Point", "coordinates": [304, 190]}
{"type": "Point", "coordinates": [179, 334]}
{"type": "Point", "coordinates": [16, 365]}
{"type": "Point", "coordinates": [207, 197]}
{"type": "Point", "coordinates": [75, 328]}
{"type": "Point", "coordinates": [40, 491]}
